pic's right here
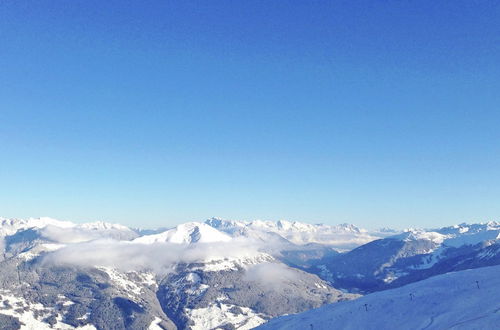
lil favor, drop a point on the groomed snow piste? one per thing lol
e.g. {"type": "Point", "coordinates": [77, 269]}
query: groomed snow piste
{"type": "Point", "coordinates": [467, 299]}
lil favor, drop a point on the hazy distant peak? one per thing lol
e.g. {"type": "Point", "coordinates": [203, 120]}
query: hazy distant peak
{"type": "Point", "coordinates": [11, 226]}
{"type": "Point", "coordinates": [101, 225]}
{"type": "Point", "coordinates": [343, 236]}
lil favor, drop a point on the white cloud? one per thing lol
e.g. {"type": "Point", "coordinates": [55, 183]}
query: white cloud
{"type": "Point", "coordinates": [271, 274]}
{"type": "Point", "coordinates": [68, 235]}
{"type": "Point", "coordinates": [158, 257]}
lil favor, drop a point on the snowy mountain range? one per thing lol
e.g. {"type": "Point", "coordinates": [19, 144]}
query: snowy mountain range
{"type": "Point", "coordinates": [341, 237]}
{"type": "Point", "coordinates": [412, 255]}
{"type": "Point", "coordinates": [100, 275]}
{"type": "Point", "coordinates": [213, 274]}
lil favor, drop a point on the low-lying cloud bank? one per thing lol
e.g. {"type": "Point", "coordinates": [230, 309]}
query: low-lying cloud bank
{"type": "Point", "coordinates": [271, 274]}
{"type": "Point", "coordinates": [156, 257]}
{"type": "Point", "coordinates": [69, 235]}
{"type": "Point", "coordinates": [80, 234]}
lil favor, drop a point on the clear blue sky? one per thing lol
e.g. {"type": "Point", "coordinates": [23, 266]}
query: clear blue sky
{"type": "Point", "coordinates": [154, 113]}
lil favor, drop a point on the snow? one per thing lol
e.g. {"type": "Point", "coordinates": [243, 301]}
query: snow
{"type": "Point", "coordinates": [470, 234]}
{"type": "Point", "coordinates": [155, 324]}
{"type": "Point", "coordinates": [58, 231]}
{"type": "Point", "coordinates": [219, 265]}
{"type": "Point", "coordinates": [25, 312]}
{"type": "Point", "coordinates": [420, 234]}
{"type": "Point", "coordinates": [190, 284]}
{"type": "Point", "coordinates": [320, 286]}
{"type": "Point", "coordinates": [430, 260]}
{"type": "Point", "coordinates": [120, 279]}
{"type": "Point", "coordinates": [197, 291]}
{"type": "Point", "coordinates": [11, 226]}
{"type": "Point", "coordinates": [100, 225]}
{"type": "Point", "coordinates": [454, 236]}
{"type": "Point", "coordinates": [451, 300]}
{"type": "Point", "coordinates": [193, 240]}
{"type": "Point", "coordinates": [68, 303]}
{"type": "Point", "coordinates": [149, 279]}
{"type": "Point", "coordinates": [343, 236]}
{"type": "Point", "coordinates": [218, 314]}
{"type": "Point", "coordinates": [473, 238]}
{"type": "Point", "coordinates": [37, 250]}
{"type": "Point", "coordinates": [394, 275]}
{"type": "Point", "coordinates": [84, 317]}
{"type": "Point", "coordinates": [233, 263]}
{"type": "Point", "coordinates": [187, 233]}
{"type": "Point", "coordinates": [193, 278]}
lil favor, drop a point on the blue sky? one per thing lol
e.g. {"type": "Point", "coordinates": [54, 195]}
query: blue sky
{"type": "Point", "coordinates": [160, 112]}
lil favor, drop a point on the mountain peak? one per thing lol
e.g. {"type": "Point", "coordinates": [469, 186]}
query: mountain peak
{"type": "Point", "coordinates": [187, 233]}
{"type": "Point", "coordinates": [418, 234]}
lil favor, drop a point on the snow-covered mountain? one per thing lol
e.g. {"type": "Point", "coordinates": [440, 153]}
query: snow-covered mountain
{"type": "Point", "coordinates": [106, 276]}
{"type": "Point", "coordinates": [413, 255]}
{"type": "Point", "coordinates": [28, 238]}
{"type": "Point", "coordinates": [235, 284]}
{"type": "Point", "coordinates": [342, 237]}
{"type": "Point", "coordinates": [298, 244]}
{"type": "Point", "coordinates": [459, 300]}
{"type": "Point", "coordinates": [65, 231]}
{"type": "Point", "coordinates": [217, 274]}
{"type": "Point", "coordinates": [11, 226]}
{"type": "Point", "coordinates": [191, 232]}
{"type": "Point", "coordinates": [240, 294]}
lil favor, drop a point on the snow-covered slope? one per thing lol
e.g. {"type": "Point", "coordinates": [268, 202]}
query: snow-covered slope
{"type": "Point", "coordinates": [461, 300]}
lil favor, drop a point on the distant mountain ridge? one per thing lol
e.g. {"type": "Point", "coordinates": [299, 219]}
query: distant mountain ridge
{"type": "Point", "coordinates": [343, 236]}
{"type": "Point", "coordinates": [108, 276]}
{"type": "Point", "coordinates": [213, 274]}
{"type": "Point", "coordinates": [413, 255]}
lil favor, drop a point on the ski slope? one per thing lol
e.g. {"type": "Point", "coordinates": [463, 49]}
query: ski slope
{"type": "Point", "coordinates": [467, 299]}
